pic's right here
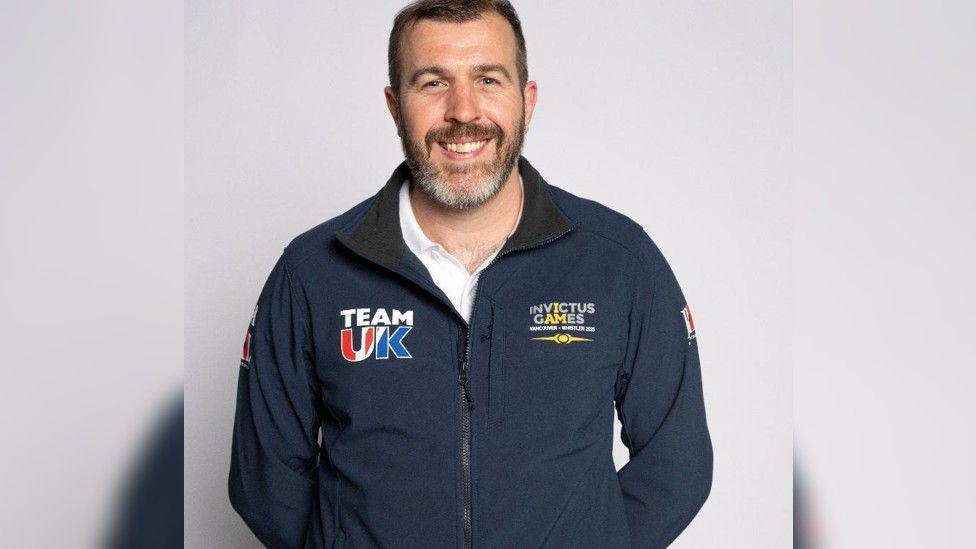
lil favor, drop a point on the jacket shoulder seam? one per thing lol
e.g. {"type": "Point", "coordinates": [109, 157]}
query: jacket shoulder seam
{"type": "Point", "coordinates": [626, 248]}
{"type": "Point", "coordinates": [292, 282]}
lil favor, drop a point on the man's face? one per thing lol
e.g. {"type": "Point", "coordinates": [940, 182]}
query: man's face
{"type": "Point", "coordinates": [461, 113]}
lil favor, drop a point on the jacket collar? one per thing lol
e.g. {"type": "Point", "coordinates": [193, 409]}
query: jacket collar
{"type": "Point", "coordinates": [377, 235]}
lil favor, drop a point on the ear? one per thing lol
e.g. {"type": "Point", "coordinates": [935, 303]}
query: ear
{"type": "Point", "coordinates": [391, 103]}
{"type": "Point", "coordinates": [530, 94]}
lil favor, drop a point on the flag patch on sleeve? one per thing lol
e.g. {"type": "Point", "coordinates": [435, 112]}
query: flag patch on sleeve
{"type": "Point", "coordinates": [246, 351]}
{"type": "Point", "coordinates": [689, 322]}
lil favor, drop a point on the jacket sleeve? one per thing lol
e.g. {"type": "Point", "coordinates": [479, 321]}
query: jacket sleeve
{"type": "Point", "coordinates": [272, 481]}
{"type": "Point", "coordinates": [660, 404]}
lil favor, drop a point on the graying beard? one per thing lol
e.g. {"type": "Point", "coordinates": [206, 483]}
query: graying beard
{"type": "Point", "coordinates": [425, 175]}
{"type": "Point", "coordinates": [441, 192]}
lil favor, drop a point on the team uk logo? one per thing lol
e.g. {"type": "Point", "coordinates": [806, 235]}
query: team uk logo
{"type": "Point", "coordinates": [380, 333]}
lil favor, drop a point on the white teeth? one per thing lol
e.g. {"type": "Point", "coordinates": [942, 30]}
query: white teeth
{"type": "Point", "coordinates": [465, 147]}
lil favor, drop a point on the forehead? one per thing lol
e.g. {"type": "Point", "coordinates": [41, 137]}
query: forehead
{"type": "Point", "coordinates": [489, 38]}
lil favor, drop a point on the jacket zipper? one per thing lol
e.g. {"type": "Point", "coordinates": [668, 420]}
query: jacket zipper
{"type": "Point", "coordinates": [466, 405]}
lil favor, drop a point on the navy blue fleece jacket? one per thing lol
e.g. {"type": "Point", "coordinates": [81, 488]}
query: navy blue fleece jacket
{"type": "Point", "coordinates": [371, 414]}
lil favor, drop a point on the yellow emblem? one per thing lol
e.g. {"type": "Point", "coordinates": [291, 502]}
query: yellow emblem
{"type": "Point", "coordinates": [562, 338]}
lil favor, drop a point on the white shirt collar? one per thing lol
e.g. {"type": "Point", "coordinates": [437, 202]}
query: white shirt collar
{"type": "Point", "coordinates": [414, 236]}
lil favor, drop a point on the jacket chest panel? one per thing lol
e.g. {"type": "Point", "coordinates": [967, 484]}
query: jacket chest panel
{"type": "Point", "coordinates": [555, 347]}
{"type": "Point", "coordinates": [386, 355]}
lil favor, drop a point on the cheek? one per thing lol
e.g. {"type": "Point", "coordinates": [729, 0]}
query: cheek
{"type": "Point", "coordinates": [505, 112]}
{"type": "Point", "coordinates": [419, 117]}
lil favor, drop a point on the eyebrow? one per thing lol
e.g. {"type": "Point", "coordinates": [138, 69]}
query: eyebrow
{"type": "Point", "coordinates": [431, 69]}
{"type": "Point", "coordinates": [441, 71]}
{"type": "Point", "coordinates": [493, 67]}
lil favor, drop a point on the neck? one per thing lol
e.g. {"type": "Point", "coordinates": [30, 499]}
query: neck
{"type": "Point", "coordinates": [474, 234]}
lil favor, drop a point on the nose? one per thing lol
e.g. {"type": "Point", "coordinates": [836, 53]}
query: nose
{"type": "Point", "coordinates": [462, 105]}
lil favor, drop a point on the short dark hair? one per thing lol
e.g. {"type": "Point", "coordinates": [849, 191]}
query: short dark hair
{"type": "Point", "coordinates": [454, 11]}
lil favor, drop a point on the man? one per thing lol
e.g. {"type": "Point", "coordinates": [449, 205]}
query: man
{"type": "Point", "coordinates": [463, 336]}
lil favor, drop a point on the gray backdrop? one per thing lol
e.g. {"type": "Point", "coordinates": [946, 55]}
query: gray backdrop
{"type": "Point", "coordinates": [674, 113]}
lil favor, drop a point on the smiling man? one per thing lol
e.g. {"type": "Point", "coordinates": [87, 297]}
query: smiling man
{"type": "Point", "coordinates": [461, 99]}
{"type": "Point", "coordinates": [439, 365]}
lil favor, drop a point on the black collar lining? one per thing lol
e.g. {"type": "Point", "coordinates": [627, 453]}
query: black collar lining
{"type": "Point", "coordinates": [378, 234]}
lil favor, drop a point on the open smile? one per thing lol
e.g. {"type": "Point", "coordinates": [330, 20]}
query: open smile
{"type": "Point", "coordinates": [462, 150]}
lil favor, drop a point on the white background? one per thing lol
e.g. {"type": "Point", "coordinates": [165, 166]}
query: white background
{"type": "Point", "coordinates": [91, 257]}
{"type": "Point", "coordinates": [866, 273]}
{"type": "Point", "coordinates": [883, 210]}
{"type": "Point", "coordinates": [676, 114]}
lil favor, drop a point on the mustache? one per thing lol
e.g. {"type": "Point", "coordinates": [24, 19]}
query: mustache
{"type": "Point", "coordinates": [470, 131]}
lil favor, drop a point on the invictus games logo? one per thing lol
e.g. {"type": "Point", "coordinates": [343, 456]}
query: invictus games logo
{"type": "Point", "coordinates": [380, 333]}
{"type": "Point", "coordinates": [563, 319]}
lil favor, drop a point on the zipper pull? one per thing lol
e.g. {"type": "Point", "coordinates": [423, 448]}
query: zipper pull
{"type": "Point", "coordinates": [463, 382]}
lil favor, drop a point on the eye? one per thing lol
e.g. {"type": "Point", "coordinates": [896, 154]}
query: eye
{"type": "Point", "coordinates": [489, 80]}
{"type": "Point", "coordinates": [433, 83]}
